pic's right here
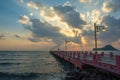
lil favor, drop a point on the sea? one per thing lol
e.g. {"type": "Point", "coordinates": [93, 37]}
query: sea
{"type": "Point", "coordinates": [31, 65]}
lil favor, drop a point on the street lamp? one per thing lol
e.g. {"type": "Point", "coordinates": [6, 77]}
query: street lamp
{"type": "Point", "coordinates": [97, 28]}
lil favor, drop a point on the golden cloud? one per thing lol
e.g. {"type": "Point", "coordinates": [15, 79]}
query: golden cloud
{"type": "Point", "coordinates": [32, 5]}
{"type": "Point", "coordinates": [24, 19]}
{"type": "Point", "coordinates": [107, 7]}
{"type": "Point", "coordinates": [85, 1]}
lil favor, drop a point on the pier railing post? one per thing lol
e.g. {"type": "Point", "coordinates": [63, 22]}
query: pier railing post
{"type": "Point", "coordinates": [95, 59]}
{"type": "Point", "coordinates": [102, 54]}
{"type": "Point", "coordinates": [118, 61]}
{"type": "Point", "coordinates": [111, 54]}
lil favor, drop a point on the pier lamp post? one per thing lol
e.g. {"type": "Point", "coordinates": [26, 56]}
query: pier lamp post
{"type": "Point", "coordinates": [58, 47]}
{"type": "Point", "coordinates": [97, 28]}
{"type": "Point", "coordinates": [66, 42]}
{"type": "Point", "coordinates": [65, 45]}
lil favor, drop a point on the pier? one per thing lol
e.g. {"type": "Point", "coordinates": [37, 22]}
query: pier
{"type": "Point", "coordinates": [109, 62]}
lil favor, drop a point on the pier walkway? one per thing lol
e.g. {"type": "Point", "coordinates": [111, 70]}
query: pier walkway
{"type": "Point", "coordinates": [108, 62]}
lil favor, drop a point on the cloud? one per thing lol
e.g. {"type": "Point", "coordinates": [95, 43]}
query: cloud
{"type": "Point", "coordinates": [21, 1]}
{"type": "Point", "coordinates": [113, 30]}
{"type": "Point", "coordinates": [39, 39]}
{"type": "Point", "coordinates": [58, 23]}
{"type": "Point", "coordinates": [31, 14]}
{"type": "Point", "coordinates": [52, 16]}
{"type": "Point", "coordinates": [35, 5]}
{"type": "Point", "coordinates": [43, 31]}
{"type": "Point", "coordinates": [116, 44]}
{"type": "Point", "coordinates": [96, 16]}
{"type": "Point", "coordinates": [55, 20]}
{"type": "Point", "coordinates": [85, 1]}
{"type": "Point", "coordinates": [2, 36]}
{"type": "Point", "coordinates": [63, 15]}
{"type": "Point", "coordinates": [110, 36]}
{"type": "Point", "coordinates": [113, 5]}
{"type": "Point", "coordinates": [66, 18]}
{"type": "Point", "coordinates": [24, 19]}
{"type": "Point", "coordinates": [17, 36]}
{"type": "Point", "coordinates": [107, 7]}
{"type": "Point", "coordinates": [69, 15]}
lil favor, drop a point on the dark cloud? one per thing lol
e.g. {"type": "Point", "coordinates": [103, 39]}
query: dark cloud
{"type": "Point", "coordinates": [33, 39]}
{"type": "Point", "coordinates": [116, 5]}
{"type": "Point", "coordinates": [44, 31]}
{"type": "Point", "coordinates": [113, 30]}
{"type": "Point", "coordinates": [2, 36]}
{"type": "Point", "coordinates": [17, 36]}
{"type": "Point", "coordinates": [88, 33]}
{"type": "Point", "coordinates": [69, 15]}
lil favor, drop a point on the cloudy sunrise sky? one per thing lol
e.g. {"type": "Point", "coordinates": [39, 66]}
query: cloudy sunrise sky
{"type": "Point", "coordinates": [42, 24]}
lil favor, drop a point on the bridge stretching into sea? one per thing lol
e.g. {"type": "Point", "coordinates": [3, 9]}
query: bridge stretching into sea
{"type": "Point", "coordinates": [109, 62]}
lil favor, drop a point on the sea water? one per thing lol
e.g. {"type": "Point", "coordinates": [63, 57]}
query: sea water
{"type": "Point", "coordinates": [30, 65]}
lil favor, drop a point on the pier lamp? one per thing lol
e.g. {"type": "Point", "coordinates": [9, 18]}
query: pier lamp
{"type": "Point", "coordinates": [98, 28]}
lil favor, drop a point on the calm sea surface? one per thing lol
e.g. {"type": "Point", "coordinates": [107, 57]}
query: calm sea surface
{"type": "Point", "coordinates": [25, 65]}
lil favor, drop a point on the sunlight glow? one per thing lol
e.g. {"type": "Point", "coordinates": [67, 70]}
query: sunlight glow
{"type": "Point", "coordinates": [83, 40]}
{"type": "Point", "coordinates": [67, 33]}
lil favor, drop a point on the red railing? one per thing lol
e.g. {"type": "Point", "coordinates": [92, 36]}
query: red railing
{"type": "Point", "coordinates": [109, 62]}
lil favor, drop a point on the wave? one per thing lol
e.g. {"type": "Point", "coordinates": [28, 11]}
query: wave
{"type": "Point", "coordinates": [8, 64]}
{"type": "Point", "coordinates": [27, 74]}
{"type": "Point", "coordinates": [2, 74]}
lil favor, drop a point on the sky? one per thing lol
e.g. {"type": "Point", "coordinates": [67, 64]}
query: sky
{"type": "Point", "coordinates": [35, 25]}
